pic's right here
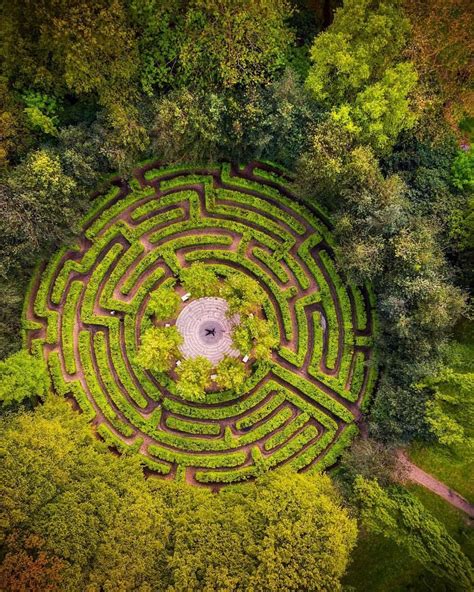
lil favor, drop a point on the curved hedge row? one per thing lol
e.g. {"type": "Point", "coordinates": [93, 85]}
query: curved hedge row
{"type": "Point", "coordinates": [87, 308]}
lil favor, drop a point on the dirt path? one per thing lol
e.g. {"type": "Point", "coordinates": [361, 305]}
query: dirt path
{"type": "Point", "coordinates": [417, 475]}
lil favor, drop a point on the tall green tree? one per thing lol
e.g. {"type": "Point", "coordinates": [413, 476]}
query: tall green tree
{"type": "Point", "coordinates": [211, 44]}
{"type": "Point", "coordinates": [39, 209]}
{"type": "Point", "coordinates": [65, 496]}
{"type": "Point", "coordinates": [23, 376]}
{"type": "Point", "coordinates": [358, 74]}
{"type": "Point", "coordinates": [159, 348]}
{"type": "Point", "coordinates": [75, 517]}
{"type": "Point", "coordinates": [398, 515]}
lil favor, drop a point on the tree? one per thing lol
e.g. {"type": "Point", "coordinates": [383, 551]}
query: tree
{"type": "Point", "coordinates": [159, 348]}
{"type": "Point", "coordinates": [231, 373]}
{"type": "Point", "coordinates": [254, 336]}
{"type": "Point", "coordinates": [28, 567]}
{"type": "Point", "coordinates": [23, 376]}
{"type": "Point", "coordinates": [285, 532]}
{"type": "Point", "coordinates": [200, 280]}
{"type": "Point", "coordinates": [164, 303]}
{"type": "Point", "coordinates": [356, 75]}
{"type": "Point", "coordinates": [398, 515]}
{"type": "Point", "coordinates": [243, 295]}
{"type": "Point", "coordinates": [78, 50]}
{"type": "Point", "coordinates": [188, 126]}
{"type": "Point", "coordinates": [77, 515]}
{"type": "Point", "coordinates": [441, 48]}
{"type": "Point", "coordinates": [238, 42]}
{"type": "Point", "coordinates": [389, 231]}
{"type": "Point", "coordinates": [194, 377]}
{"type": "Point", "coordinates": [39, 203]}
{"type": "Point", "coordinates": [372, 460]}
{"type": "Point", "coordinates": [450, 408]}
{"type": "Point", "coordinates": [241, 124]}
{"type": "Point", "coordinates": [463, 170]}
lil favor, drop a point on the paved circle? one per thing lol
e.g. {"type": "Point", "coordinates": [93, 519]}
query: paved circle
{"type": "Point", "coordinates": [206, 329]}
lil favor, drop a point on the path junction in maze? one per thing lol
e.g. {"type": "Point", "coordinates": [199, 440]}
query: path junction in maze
{"type": "Point", "coordinates": [85, 312]}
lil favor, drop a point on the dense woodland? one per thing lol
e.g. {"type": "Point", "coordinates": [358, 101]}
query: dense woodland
{"type": "Point", "coordinates": [368, 105]}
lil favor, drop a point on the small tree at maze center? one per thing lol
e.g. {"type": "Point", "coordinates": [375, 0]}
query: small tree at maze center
{"type": "Point", "coordinates": [159, 348]}
{"type": "Point", "coordinates": [243, 295]}
{"type": "Point", "coordinates": [254, 336]}
{"type": "Point", "coordinates": [194, 378]}
{"type": "Point", "coordinates": [164, 303]}
{"type": "Point", "coordinates": [200, 280]}
{"type": "Point", "coordinates": [231, 373]}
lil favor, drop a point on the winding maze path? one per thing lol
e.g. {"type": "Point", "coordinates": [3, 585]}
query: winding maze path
{"type": "Point", "coordinates": [86, 310]}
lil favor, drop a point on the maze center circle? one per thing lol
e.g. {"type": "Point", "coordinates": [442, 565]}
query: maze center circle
{"type": "Point", "coordinates": [87, 309]}
{"type": "Point", "coordinates": [206, 329]}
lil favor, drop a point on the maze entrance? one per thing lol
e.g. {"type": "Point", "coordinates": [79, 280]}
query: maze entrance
{"type": "Point", "coordinates": [85, 314]}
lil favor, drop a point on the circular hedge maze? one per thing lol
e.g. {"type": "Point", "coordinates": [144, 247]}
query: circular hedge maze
{"type": "Point", "coordinates": [85, 313]}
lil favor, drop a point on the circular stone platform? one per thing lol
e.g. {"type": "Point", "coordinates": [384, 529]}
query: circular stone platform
{"type": "Point", "coordinates": [206, 330]}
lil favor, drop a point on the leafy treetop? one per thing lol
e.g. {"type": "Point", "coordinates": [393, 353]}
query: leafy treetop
{"type": "Point", "coordinates": [398, 515]}
{"type": "Point", "coordinates": [194, 377]}
{"type": "Point", "coordinates": [164, 303]}
{"type": "Point", "coordinates": [200, 280]}
{"type": "Point", "coordinates": [358, 75]}
{"type": "Point", "coordinates": [231, 373]}
{"type": "Point", "coordinates": [22, 376]}
{"type": "Point", "coordinates": [159, 348]}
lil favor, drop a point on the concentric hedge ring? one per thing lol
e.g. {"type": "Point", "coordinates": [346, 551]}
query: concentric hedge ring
{"type": "Point", "coordinates": [86, 311]}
